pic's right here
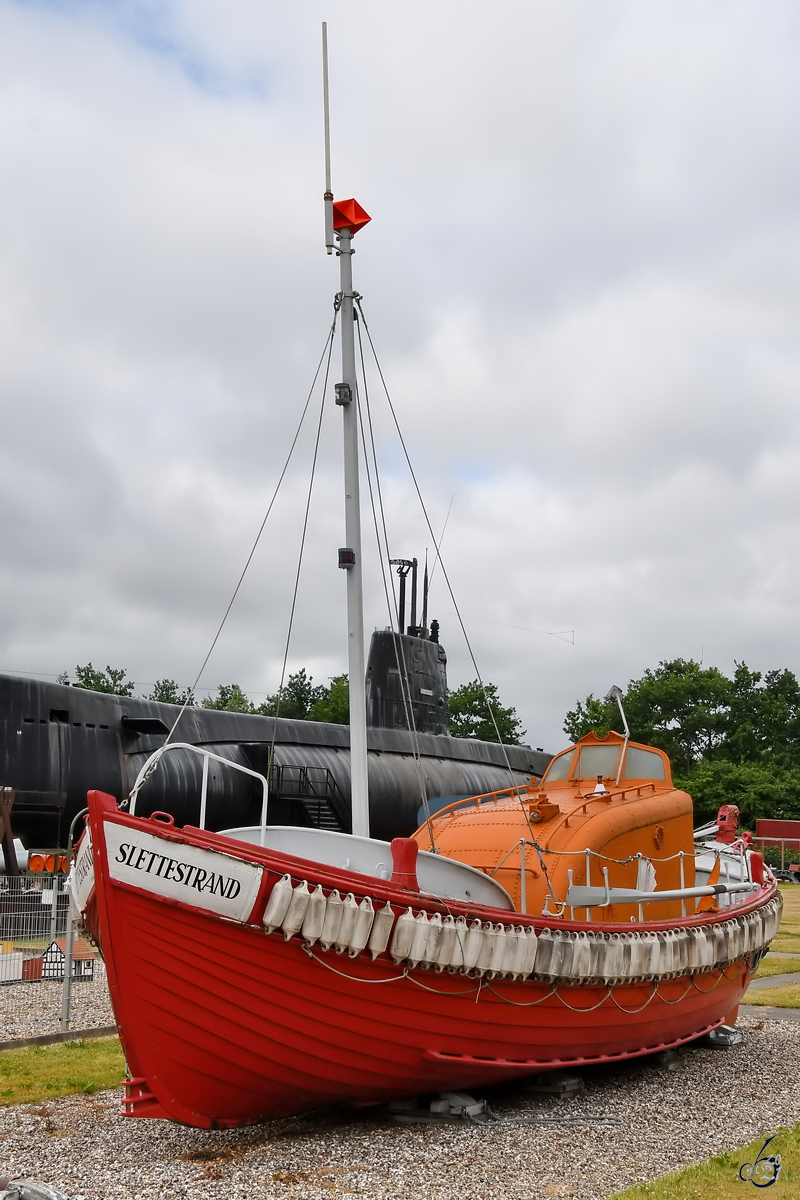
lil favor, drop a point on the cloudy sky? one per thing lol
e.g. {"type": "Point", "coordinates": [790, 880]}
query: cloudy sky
{"type": "Point", "coordinates": [581, 278]}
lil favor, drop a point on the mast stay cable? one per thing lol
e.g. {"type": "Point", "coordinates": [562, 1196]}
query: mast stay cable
{"type": "Point", "coordinates": [293, 606]}
{"type": "Point", "coordinates": [326, 350]}
{"type": "Point", "coordinates": [441, 560]}
{"type": "Point", "coordinates": [384, 558]}
{"type": "Point", "coordinates": [433, 536]}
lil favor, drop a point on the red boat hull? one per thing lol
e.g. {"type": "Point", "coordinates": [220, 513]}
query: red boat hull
{"type": "Point", "coordinates": [223, 1024]}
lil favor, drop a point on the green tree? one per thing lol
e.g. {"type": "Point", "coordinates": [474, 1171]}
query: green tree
{"type": "Point", "coordinates": [470, 715]}
{"type": "Point", "coordinates": [112, 680]}
{"type": "Point", "coordinates": [166, 690]}
{"type": "Point", "coordinates": [764, 720]}
{"type": "Point", "coordinates": [334, 706]}
{"type": "Point", "coordinates": [298, 697]}
{"type": "Point", "coordinates": [680, 707]}
{"type": "Point", "coordinates": [230, 698]}
{"type": "Point", "coordinates": [759, 789]}
{"type": "Point", "coordinates": [591, 715]}
{"type": "Point", "coordinates": [731, 741]}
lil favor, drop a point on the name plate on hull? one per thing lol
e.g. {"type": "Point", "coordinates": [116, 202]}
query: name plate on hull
{"type": "Point", "coordinates": [197, 877]}
{"type": "Point", "coordinates": [81, 880]}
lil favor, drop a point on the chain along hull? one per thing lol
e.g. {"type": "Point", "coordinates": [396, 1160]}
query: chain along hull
{"type": "Point", "coordinates": [224, 1023]}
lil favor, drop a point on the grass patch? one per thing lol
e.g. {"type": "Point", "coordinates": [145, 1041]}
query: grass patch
{"type": "Point", "coordinates": [776, 964]}
{"type": "Point", "coordinates": [718, 1179]}
{"type": "Point", "coordinates": [790, 894]}
{"type": "Point", "coordinates": [785, 943]}
{"type": "Point", "coordinates": [788, 936]}
{"type": "Point", "coordinates": [777, 997]}
{"type": "Point", "coordinates": [63, 1069]}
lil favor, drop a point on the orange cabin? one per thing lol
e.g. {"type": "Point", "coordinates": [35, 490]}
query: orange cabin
{"type": "Point", "coordinates": [607, 795]}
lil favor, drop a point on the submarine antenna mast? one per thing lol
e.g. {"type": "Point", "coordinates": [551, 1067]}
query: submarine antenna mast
{"type": "Point", "coordinates": [326, 109]}
{"type": "Point", "coordinates": [342, 221]}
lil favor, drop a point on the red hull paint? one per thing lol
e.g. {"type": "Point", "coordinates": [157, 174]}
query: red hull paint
{"type": "Point", "coordinates": [225, 1025]}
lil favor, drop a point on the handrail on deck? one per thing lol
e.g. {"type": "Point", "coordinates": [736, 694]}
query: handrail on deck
{"type": "Point", "coordinates": [481, 799]}
{"type": "Point", "coordinates": [206, 755]}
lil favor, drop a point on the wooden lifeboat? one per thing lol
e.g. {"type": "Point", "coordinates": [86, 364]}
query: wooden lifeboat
{"type": "Point", "coordinates": [269, 970]}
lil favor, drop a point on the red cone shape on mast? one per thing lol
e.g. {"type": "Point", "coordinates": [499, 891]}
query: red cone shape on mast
{"type": "Point", "coordinates": [348, 214]}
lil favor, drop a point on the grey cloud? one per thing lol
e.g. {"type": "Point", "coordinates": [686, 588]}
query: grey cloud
{"type": "Point", "coordinates": [581, 277]}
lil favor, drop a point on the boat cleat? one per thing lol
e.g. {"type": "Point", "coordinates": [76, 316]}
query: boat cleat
{"type": "Point", "coordinates": [542, 809]}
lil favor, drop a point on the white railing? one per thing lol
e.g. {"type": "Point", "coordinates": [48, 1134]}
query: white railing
{"type": "Point", "coordinates": [207, 756]}
{"type": "Point", "coordinates": [600, 897]}
{"type": "Point", "coordinates": [589, 896]}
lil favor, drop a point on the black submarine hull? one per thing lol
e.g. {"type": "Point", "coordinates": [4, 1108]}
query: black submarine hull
{"type": "Point", "coordinates": [57, 742]}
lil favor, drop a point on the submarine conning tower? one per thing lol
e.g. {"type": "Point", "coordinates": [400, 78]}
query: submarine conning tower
{"type": "Point", "coordinates": [407, 670]}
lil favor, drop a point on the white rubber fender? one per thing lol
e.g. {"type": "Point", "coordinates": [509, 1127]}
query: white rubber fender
{"type": "Point", "coordinates": [456, 960]}
{"type": "Point", "coordinates": [333, 919]}
{"type": "Point", "coordinates": [314, 919]}
{"type": "Point", "coordinates": [473, 945]}
{"type": "Point", "coordinates": [419, 943]}
{"type": "Point", "coordinates": [447, 944]}
{"type": "Point", "coordinates": [514, 940]}
{"type": "Point", "coordinates": [292, 923]}
{"type": "Point", "coordinates": [365, 915]}
{"type": "Point", "coordinates": [544, 952]}
{"type": "Point", "coordinates": [433, 943]}
{"type": "Point", "coordinates": [347, 925]}
{"type": "Point", "coordinates": [498, 952]}
{"type": "Point", "coordinates": [403, 936]}
{"type": "Point", "coordinates": [278, 903]}
{"type": "Point", "coordinates": [531, 952]}
{"type": "Point", "coordinates": [487, 946]}
{"type": "Point", "coordinates": [381, 930]}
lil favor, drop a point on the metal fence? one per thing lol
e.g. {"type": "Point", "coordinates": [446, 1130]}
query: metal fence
{"type": "Point", "coordinates": [35, 931]}
{"type": "Point", "coordinates": [772, 847]}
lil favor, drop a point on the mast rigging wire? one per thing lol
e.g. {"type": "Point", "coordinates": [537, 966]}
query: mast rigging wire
{"type": "Point", "coordinates": [326, 350]}
{"type": "Point", "coordinates": [383, 548]}
{"type": "Point", "coordinates": [444, 569]}
{"type": "Point", "coordinates": [441, 539]}
{"type": "Point", "coordinates": [432, 534]}
{"type": "Point", "coordinates": [293, 607]}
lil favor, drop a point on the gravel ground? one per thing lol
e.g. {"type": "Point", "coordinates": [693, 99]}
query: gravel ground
{"type": "Point", "coordinates": [28, 1009]}
{"type": "Point", "coordinates": [713, 1100]}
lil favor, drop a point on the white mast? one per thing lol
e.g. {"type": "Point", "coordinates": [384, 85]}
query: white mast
{"type": "Point", "coordinates": [350, 555]}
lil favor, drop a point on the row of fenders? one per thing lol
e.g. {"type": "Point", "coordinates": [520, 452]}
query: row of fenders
{"type": "Point", "coordinates": [497, 949]}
